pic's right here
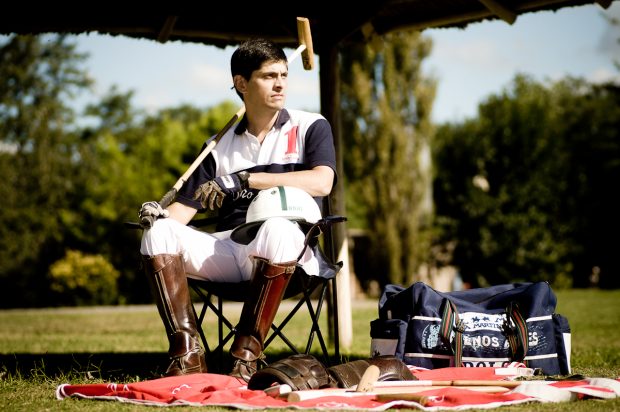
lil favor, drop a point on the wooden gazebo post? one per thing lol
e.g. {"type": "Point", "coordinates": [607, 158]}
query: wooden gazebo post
{"type": "Point", "coordinates": [336, 244]}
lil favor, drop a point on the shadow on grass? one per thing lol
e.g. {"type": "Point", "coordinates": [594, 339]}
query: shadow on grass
{"type": "Point", "coordinates": [119, 366]}
{"type": "Point", "coordinates": [106, 366]}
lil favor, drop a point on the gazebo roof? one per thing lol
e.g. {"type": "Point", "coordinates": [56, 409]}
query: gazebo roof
{"type": "Point", "coordinates": [228, 23]}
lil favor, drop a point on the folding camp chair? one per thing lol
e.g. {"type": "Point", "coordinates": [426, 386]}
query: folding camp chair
{"type": "Point", "coordinates": [310, 291]}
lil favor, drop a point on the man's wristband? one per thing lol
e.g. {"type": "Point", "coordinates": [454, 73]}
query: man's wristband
{"type": "Point", "coordinates": [244, 179]}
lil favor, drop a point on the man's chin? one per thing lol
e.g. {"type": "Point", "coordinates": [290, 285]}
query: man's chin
{"type": "Point", "coordinates": [277, 105]}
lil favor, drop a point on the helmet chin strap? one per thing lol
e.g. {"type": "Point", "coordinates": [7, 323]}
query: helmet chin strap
{"type": "Point", "coordinates": [316, 229]}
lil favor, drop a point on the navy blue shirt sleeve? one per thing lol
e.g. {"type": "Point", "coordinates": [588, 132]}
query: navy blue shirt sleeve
{"type": "Point", "coordinates": [203, 173]}
{"type": "Point", "coordinates": [320, 150]}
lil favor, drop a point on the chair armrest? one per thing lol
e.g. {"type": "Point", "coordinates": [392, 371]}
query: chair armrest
{"type": "Point", "coordinates": [330, 220]}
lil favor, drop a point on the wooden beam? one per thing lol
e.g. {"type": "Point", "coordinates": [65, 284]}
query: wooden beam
{"type": "Point", "coordinates": [500, 10]}
{"type": "Point", "coordinates": [233, 38]}
{"type": "Point", "coordinates": [166, 29]}
{"type": "Point", "coordinates": [604, 3]}
{"type": "Point", "coordinates": [467, 18]}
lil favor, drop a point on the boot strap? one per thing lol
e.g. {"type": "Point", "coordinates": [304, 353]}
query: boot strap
{"type": "Point", "coordinates": [247, 348]}
{"type": "Point", "coordinates": [271, 270]}
{"type": "Point", "coordinates": [158, 262]}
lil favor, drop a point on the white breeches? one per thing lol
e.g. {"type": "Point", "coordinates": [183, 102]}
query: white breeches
{"type": "Point", "coordinates": [215, 257]}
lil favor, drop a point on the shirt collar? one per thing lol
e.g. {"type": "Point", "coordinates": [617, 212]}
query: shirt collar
{"type": "Point", "coordinates": [283, 117]}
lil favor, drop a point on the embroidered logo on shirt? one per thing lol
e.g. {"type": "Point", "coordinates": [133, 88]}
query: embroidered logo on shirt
{"type": "Point", "coordinates": [292, 141]}
{"type": "Point", "coordinates": [291, 147]}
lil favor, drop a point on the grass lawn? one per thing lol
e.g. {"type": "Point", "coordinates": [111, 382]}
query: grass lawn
{"type": "Point", "coordinates": [42, 348]}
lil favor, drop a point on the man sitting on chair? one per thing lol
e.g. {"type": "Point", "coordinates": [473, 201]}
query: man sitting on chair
{"type": "Point", "coordinates": [271, 146]}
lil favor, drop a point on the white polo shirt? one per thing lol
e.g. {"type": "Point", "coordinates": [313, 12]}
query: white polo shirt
{"type": "Point", "coordinates": [299, 140]}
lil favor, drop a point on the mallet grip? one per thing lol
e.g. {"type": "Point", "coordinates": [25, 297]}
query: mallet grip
{"type": "Point", "coordinates": [147, 221]}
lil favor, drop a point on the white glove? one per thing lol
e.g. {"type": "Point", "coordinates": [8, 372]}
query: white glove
{"type": "Point", "coordinates": [149, 212]}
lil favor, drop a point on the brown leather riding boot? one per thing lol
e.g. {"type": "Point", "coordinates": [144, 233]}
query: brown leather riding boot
{"type": "Point", "coordinates": [166, 274]}
{"type": "Point", "coordinates": [267, 286]}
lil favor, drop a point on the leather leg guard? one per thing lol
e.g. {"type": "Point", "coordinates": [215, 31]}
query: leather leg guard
{"type": "Point", "coordinates": [300, 372]}
{"type": "Point", "coordinates": [166, 275]}
{"type": "Point", "coordinates": [267, 286]}
{"type": "Point", "coordinates": [390, 369]}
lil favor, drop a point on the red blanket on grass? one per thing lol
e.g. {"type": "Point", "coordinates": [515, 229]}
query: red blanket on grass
{"type": "Point", "coordinates": [221, 390]}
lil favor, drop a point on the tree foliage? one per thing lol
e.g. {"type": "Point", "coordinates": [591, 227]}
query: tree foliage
{"type": "Point", "coordinates": [69, 187]}
{"type": "Point", "coordinates": [36, 160]}
{"type": "Point", "coordinates": [79, 279]}
{"type": "Point", "coordinates": [386, 106]}
{"type": "Point", "coordinates": [525, 190]}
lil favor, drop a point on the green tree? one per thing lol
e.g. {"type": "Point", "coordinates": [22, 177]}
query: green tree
{"type": "Point", "coordinates": [71, 188]}
{"type": "Point", "coordinates": [38, 76]}
{"type": "Point", "coordinates": [386, 107]}
{"type": "Point", "coordinates": [133, 158]}
{"type": "Point", "coordinates": [524, 190]}
{"type": "Point", "coordinates": [80, 279]}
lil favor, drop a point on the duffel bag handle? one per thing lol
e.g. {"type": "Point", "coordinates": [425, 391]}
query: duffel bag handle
{"type": "Point", "coordinates": [514, 328]}
{"type": "Point", "coordinates": [516, 332]}
{"type": "Point", "coordinates": [450, 322]}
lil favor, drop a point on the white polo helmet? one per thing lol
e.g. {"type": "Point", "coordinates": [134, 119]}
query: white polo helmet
{"type": "Point", "coordinates": [282, 201]}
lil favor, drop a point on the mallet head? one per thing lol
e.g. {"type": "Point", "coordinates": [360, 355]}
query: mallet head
{"type": "Point", "coordinates": [305, 38]}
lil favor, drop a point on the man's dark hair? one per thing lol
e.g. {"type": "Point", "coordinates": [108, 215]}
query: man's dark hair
{"type": "Point", "coordinates": [251, 55]}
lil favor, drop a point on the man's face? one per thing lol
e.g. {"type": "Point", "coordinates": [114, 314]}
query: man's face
{"type": "Point", "coordinates": [267, 86]}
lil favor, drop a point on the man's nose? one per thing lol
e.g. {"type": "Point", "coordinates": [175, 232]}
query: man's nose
{"type": "Point", "coordinates": [280, 82]}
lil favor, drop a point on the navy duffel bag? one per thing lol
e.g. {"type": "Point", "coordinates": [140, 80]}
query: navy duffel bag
{"type": "Point", "coordinates": [492, 326]}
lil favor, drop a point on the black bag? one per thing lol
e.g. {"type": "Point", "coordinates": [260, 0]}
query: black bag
{"type": "Point", "coordinates": [491, 326]}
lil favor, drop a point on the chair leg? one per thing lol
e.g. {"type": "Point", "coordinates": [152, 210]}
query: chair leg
{"type": "Point", "coordinates": [277, 329]}
{"type": "Point", "coordinates": [225, 329]}
{"type": "Point", "coordinates": [334, 299]}
{"type": "Point", "coordinates": [316, 330]}
{"type": "Point", "coordinates": [314, 312]}
{"type": "Point", "coordinates": [200, 318]}
{"type": "Point", "coordinates": [220, 333]}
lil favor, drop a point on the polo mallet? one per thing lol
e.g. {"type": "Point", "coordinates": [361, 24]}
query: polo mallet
{"type": "Point", "coordinates": [307, 55]}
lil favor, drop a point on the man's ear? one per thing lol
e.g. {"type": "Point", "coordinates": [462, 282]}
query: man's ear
{"type": "Point", "coordinates": [240, 83]}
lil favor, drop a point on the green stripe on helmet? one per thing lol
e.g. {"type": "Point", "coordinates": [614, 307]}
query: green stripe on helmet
{"type": "Point", "coordinates": [282, 198]}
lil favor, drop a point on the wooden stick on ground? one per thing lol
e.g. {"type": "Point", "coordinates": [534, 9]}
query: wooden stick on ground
{"type": "Point", "coordinates": [460, 382]}
{"type": "Point", "coordinates": [368, 380]}
{"type": "Point", "coordinates": [297, 396]}
{"type": "Point", "coordinates": [387, 397]}
{"type": "Point", "coordinates": [401, 390]}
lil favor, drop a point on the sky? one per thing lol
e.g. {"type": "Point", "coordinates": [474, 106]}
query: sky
{"type": "Point", "coordinates": [470, 64]}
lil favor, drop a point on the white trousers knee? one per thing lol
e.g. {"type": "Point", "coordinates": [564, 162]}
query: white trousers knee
{"type": "Point", "coordinates": [215, 257]}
